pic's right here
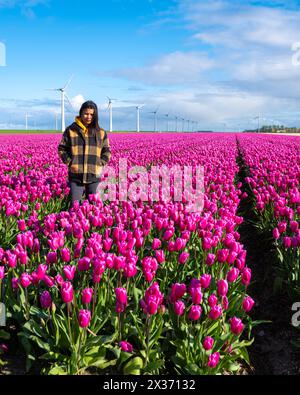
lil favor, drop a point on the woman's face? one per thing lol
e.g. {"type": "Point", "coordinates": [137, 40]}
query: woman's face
{"type": "Point", "coordinates": [87, 116]}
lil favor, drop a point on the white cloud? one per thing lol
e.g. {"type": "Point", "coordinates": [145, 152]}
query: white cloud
{"type": "Point", "coordinates": [171, 69]}
{"type": "Point", "coordinates": [77, 101]}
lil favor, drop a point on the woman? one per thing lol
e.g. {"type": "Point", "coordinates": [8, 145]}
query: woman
{"type": "Point", "coordinates": [85, 149]}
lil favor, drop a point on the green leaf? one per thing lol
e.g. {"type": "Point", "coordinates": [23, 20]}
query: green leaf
{"type": "Point", "coordinates": [4, 335]}
{"type": "Point", "coordinates": [134, 366]}
{"type": "Point", "coordinates": [154, 365]}
{"type": "Point", "coordinates": [53, 356]}
{"type": "Point", "coordinates": [57, 370]}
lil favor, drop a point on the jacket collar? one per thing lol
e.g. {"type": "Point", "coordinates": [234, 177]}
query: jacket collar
{"type": "Point", "coordinates": [81, 125]}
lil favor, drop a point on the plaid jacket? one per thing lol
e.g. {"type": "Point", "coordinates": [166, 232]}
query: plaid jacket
{"type": "Point", "coordinates": [84, 151]}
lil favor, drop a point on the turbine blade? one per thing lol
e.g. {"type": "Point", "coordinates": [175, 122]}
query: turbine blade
{"type": "Point", "coordinates": [73, 110]}
{"type": "Point", "coordinates": [72, 76]}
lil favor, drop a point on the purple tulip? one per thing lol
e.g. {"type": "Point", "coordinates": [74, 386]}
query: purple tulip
{"type": "Point", "coordinates": [46, 300]}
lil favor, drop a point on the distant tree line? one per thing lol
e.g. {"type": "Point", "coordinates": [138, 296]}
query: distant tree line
{"type": "Point", "coordinates": [274, 129]}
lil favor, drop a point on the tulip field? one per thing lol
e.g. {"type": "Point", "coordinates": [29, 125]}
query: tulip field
{"type": "Point", "coordinates": [146, 286]}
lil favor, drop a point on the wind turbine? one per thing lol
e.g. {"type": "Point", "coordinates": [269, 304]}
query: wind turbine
{"type": "Point", "coordinates": [26, 120]}
{"type": "Point", "coordinates": [155, 119]}
{"type": "Point", "coordinates": [176, 120]}
{"type": "Point", "coordinates": [110, 111]}
{"type": "Point", "coordinates": [138, 117]}
{"type": "Point", "coordinates": [63, 95]}
{"type": "Point", "coordinates": [167, 115]}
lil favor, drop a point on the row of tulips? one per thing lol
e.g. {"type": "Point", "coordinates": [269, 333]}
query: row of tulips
{"type": "Point", "coordinates": [134, 287]}
{"type": "Point", "coordinates": [274, 179]}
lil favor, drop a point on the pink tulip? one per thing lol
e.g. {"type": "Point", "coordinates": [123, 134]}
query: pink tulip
{"type": "Point", "coordinates": [84, 318]}
{"type": "Point", "coordinates": [222, 255]}
{"type": "Point", "coordinates": [205, 280]}
{"type": "Point", "coordinates": [65, 255]}
{"type": "Point", "coordinates": [48, 281]}
{"type": "Point", "coordinates": [236, 325]}
{"type": "Point", "coordinates": [183, 257]}
{"type": "Point", "coordinates": [25, 280]}
{"type": "Point", "coordinates": [178, 290]}
{"type": "Point", "coordinates": [248, 303]}
{"type": "Point", "coordinates": [160, 256]}
{"type": "Point", "coordinates": [179, 307]}
{"type": "Point", "coordinates": [196, 295]}
{"type": "Point", "coordinates": [156, 244]}
{"type": "Point", "coordinates": [212, 300]}
{"type": "Point", "coordinates": [125, 346]}
{"type": "Point", "coordinates": [2, 272]}
{"type": "Point", "coordinates": [246, 276]}
{"type": "Point", "coordinates": [69, 272]}
{"type": "Point", "coordinates": [67, 292]}
{"type": "Point", "coordinates": [21, 225]}
{"type": "Point", "coordinates": [84, 264]}
{"type": "Point", "coordinates": [195, 313]}
{"type": "Point", "coordinates": [213, 360]}
{"type": "Point", "coordinates": [208, 343]}
{"type": "Point", "coordinates": [86, 295]}
{"type": "Point", "coordinates": [121, 295]}
{"type": "Point", "coordinates": [215, 312]}
{"type": "Point", "coordinates": [210, 259]}
{"type": "Point", "coordinates": [222, 287]}
{"type": "Point", "coordinates": [276, 233]}
{"type": "Point", "coordinates": [233, 275]}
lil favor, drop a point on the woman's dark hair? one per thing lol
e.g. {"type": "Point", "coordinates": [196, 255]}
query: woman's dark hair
{"type": "Point", "coordinates": [91, 105]}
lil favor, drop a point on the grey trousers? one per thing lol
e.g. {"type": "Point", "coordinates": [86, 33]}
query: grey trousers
{"type": "Point", "coordinates": [78, 189]}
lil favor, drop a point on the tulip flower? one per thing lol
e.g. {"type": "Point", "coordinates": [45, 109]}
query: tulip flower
{"type": "Point", "coordinates": [67, 292]}
{"type": "Point", "coordinates": [121, 295]}
{"type": "Point", "coordinates": [125, 346]}
{"type": "Point", "coordinates": [156, 244]}
{"type": "Point", "coordinates": [65, 255]}
{"type": "Point", "coordinates": [69, 272]}
{"type": "Point", "coordinates": [246, 276]}
{"type": "Point", "coordinates": [210, 259]}
{"type": "Point", "coordinates": [84, 318]}
{"type": "Point", "coordinates": [45, 300]}
{"type": "Point", "coordinates": [179, 307]}
{"type": "Point", "coordinates": [25, 280]}
{"type": "Point", "coordinates": [215, 312]}
{"type": "Point", "coordinates": [222, 287]}
{"type": "Point", "coordinates": [208, 343]}
{"type": "Point", "coordinates": [213, 360]}
{"type": "Point", "coordinates": [195, 313]}
{"type": "Point", "coordinates": [236, 325]}
{"type": "Point", "coordinates": [2, 272]}
{"type": "Point", "coordinates": [248, 303]}
{"type": "Point", "coordinates": [212, 300]}
{"type": "Point", "coordinates": [183, 257]}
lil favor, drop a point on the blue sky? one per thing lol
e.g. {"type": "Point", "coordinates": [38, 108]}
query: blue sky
{"type": "Point", "coordinates": [220, 63]}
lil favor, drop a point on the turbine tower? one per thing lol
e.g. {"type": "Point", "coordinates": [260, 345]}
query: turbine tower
{"type": "Point", "coordinates": [63, 95]}
{"type": "Point", "coordinates": [110, 112]}
{"type": "Point", "coordinates": [26, 120]}
{"type": "Point", "coordinates": [167, 115]}
{"type": "Point", "coordinates": [138, 117]}
{"type": "Point", "coordinates": [155, 119]}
